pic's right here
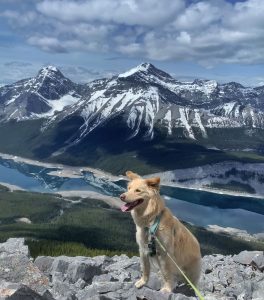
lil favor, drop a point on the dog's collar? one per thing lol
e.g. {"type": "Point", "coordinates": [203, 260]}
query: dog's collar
{"type": "Point", "coordinates": [154, 227]}
{"type": "Point", "coordinates": [152, 232]}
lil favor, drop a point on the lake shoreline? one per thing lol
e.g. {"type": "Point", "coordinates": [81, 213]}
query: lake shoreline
{"type": "Point", "coordinates": [77, 172]}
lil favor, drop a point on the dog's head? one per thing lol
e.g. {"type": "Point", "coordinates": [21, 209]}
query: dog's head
{"type": "Point", "coordinates": [139, 191]}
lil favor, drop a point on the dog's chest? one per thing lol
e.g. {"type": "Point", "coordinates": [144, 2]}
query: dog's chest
{"type": "Point", "coordinates": [142, 239]}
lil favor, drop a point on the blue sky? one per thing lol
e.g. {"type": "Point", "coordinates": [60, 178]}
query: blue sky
{"type": "Point", "coordinates": [87, 39]}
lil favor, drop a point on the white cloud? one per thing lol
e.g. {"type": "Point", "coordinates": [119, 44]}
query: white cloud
{"type": "Point", "coordinates": [16, 18]}
{"type": "Point", "coordinates": [50, 44]}
{"type": "Point", "coordinates": [130, 12]}
{"type": "Point", "coordinates": [207, 32]}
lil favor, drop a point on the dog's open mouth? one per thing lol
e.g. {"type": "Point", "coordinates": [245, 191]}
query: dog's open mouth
{"type": "Point", "coordinates": [131, 205]}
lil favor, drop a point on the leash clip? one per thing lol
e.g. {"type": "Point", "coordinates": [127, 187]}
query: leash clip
{"type": "Point", "coordinates": [152, 246]}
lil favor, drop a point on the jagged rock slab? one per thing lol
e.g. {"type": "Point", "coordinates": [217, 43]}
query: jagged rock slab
{"type": "Point", "coordinates": [254, 258]}
{"type": "Point", "coordinates": [16, 266]}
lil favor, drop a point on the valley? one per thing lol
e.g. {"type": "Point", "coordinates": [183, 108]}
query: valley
{"type": "Point", "coordinates": [87, 227]}
{"type": "Point", "coordinates": [69, 144]}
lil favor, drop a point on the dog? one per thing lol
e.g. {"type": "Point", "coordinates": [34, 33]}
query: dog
{"type": "Point", "coordinates": [144, 202]}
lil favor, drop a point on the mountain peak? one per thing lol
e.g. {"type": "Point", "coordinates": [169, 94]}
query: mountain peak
{"type": "Point", "coordinates": [144, 68]}
{"type": "Point", "coordinates": [140, 68]}
{"type": "Point", "coordinates": [49, 71]}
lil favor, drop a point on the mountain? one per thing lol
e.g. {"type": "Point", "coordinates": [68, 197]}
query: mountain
{"type": "Point", "coordinates": [38, 97]}
{"type": "Point", "coordinates": [144, 97]}
{"type": "Point", "coordinates": [142, 108]}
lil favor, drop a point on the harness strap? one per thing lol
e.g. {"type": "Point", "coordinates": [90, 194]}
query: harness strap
{"type": "Point", "coordinates": [154, 227]}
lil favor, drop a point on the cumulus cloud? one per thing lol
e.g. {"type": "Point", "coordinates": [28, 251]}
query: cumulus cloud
{"type": "Point", "coordinates": [207, 32]}
{"type": "Point", "coordinates": [50, 44]}
{"type": "Point", "coordinates": [130, 12]}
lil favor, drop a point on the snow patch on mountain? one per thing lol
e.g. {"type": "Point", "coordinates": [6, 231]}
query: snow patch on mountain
{"type": "Point", "coordinates": [184, 113]}
{"type": "Point", "coordinates": [199, 122]}
{"type": "Point", "coordinates": [59, 104]}
{"type": "Point", "coordinates": [168, 118]}
{"type": "Point", "coordinates": [141, 68]}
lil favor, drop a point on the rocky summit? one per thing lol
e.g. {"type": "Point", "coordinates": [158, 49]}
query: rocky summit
{"type": "Point", "coordinates": [238, 277]}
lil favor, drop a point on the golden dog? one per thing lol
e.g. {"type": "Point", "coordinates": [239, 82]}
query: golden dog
{"type": "Point", "coordinates": [143, 200]}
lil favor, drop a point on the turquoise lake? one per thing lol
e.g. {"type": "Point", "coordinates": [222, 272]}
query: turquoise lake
{"type": "Point", "coordinates": [194, 206]}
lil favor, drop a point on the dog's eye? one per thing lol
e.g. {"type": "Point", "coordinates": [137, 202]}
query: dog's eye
{"type": "Point", "coordinates": [138, 191]}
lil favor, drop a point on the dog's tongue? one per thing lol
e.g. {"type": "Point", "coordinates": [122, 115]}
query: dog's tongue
{"type": "Point", "coordinates": [125, 207]}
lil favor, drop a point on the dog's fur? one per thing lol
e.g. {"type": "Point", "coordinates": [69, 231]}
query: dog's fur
{"type": "Point", "coordinates": [176, 238]}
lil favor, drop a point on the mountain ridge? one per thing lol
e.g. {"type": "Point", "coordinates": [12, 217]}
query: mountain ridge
{"type": "Point", "coordinates": [140, 106]}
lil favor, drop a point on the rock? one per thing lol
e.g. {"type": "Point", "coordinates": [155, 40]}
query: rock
{"type": "Point", "coordinates": [84, 270]}
{"type": "Point", "coordinates": [258, 288]}
{"type": "Point", "coordinates": [237, 277]}
{"type": "Point", "coordinates": [72, 269]}
{"type": "Point", "coordinates": [246, 257]}
{"type": "Point", "coordinates": [15, 246]}
{"type": "Point", "coordinates": [25, 293]}
{"type": "Point", "coordinates": [44, 264]}
{"type": "Point", "coordinates": [154, 282]}
{"type": "Point", "coordinates": [146, 293]}
{"type": "Point", "coordinates": [17, 267]}
{"type": "Point", "coordinates": [258, 261]}
{"type": "Point", "coordinates": [23, 220]}
{"type": "Point", "coordinates": [47, 295]}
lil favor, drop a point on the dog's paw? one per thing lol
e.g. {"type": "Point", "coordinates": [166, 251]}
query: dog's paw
{"type": "Point", "coordinates": [166, 289]}
{"type": "Point", "coordinates": [140, 283]}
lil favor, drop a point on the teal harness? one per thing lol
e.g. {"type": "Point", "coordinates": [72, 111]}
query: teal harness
{"type": "Point", "coordinates": [152, 233]}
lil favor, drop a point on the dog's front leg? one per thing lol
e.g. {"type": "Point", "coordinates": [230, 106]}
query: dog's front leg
{"type": "Point", "coordinates": [145, 267]}
{"type": "Point", "coordinates": [144, 259]}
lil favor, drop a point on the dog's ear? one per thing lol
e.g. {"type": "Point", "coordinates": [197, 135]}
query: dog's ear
{"type": "Point", "coordinates": [132, 175]}
{"type": "Point", "coordinates": [153, 182]}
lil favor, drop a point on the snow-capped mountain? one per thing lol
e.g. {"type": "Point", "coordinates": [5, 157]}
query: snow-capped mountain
{"type": "Point", "coordinates": [143, 99]}
{"type": "Point", "coordinates": [38, 97]}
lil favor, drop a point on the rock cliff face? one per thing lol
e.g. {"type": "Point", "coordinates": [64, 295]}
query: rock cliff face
{"type": "Point", "coordinates": [82, 278]}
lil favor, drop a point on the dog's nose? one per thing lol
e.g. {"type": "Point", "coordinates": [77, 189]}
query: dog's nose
{"type": "Point", "coordinates": [122, 197]}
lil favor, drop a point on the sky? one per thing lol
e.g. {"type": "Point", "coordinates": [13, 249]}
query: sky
{"type": "Point", "coordinates": [88, 39]}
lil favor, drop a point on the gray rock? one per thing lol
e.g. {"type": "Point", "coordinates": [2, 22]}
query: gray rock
{"type": "Point", "coordinates": [15, 246]}
{"type": "Point", "coordinates": [246, 257]}
{"type": "Point", "coordinates": [17, 267]}
{"type": "Point", "coordinates": [258, 261]}
{"type": "Point", "coordinates": [85, 270]}
{"type": "Point", "coordinates": [105, 278]}
{"type": "Point", "coordinates": [154, 282]}
{"type": "Point", "coordinates": [62, 289]}
{"type": "Point", "coordinates": [26, 293]}
{"type": "Point", "coordinates": [258, 290]}
{"type": "Point", "coordinates": [237, 277]}
{"type": "Point", "coordinates": [44, 264]}
{"type": "Point", "coordinates": [60, 265]}
{"type": "Point", "coordinates": [146, 293]}
{"type": "Point", "coordinates": [47, 295]}
{"type": "Point", "coordinates": [80, 284]}
{"type": "Point", "coordinates": [87, 293]}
